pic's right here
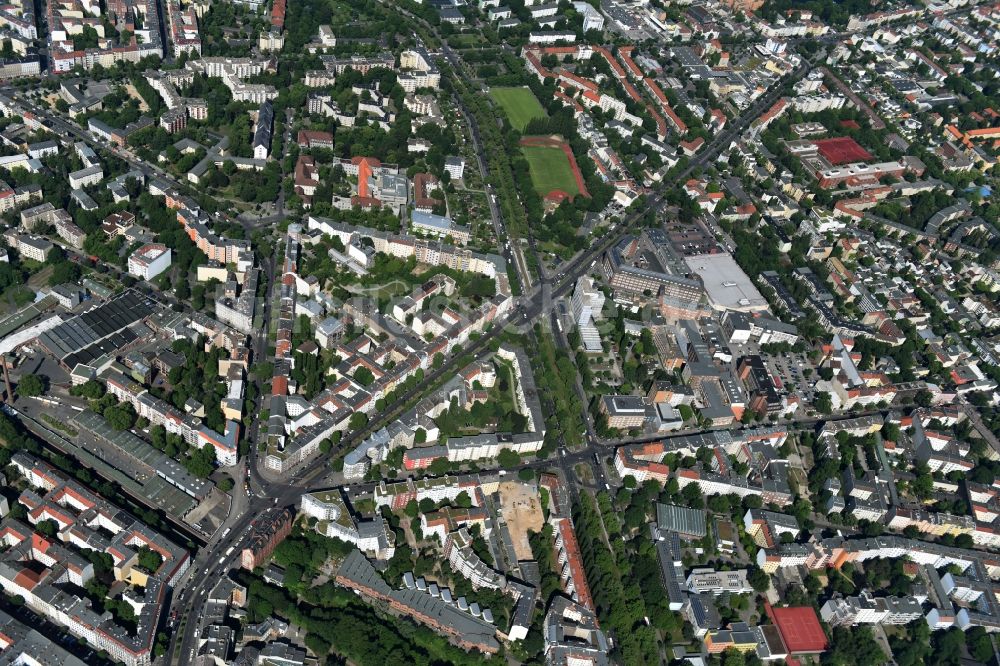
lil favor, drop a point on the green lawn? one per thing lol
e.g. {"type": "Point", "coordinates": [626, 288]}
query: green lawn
{"type": "Point", "coordinates": [550, 170]}
{"type": "Point", "coordinates": [520, 105]}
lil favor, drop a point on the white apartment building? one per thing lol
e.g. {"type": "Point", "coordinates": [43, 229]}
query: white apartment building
{"type": "Point", "coordinates": [334, 520]}
{"type": "Point", "coordinates": [866, 609]}
{"type": "Point", "coordinates": [86, 176]}
{"type": "Point", "coordinates": [455, 166]}
{"type": "Point", "coordinates": [592, 19]}
{"type": "Point", "coordinates": [463, 559]}
{"type": "Point", "coordinates": [588, 305]}
{"type": "Point", "coordinates": [149, 261]}
{"type": "Point", "coordinates": [31, 247]}
{"type": "Point", "coordinates": [718, 582]}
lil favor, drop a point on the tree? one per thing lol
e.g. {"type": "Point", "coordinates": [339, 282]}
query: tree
{"type": "Point", "coordinates": [508, 458]}
{"type": "Point", "coordinates": [439, 466]}
{"type": "Point", "coordinates": [923, 485]}
{"type": "Point", "coordinates": [31, 386]}
{"type": "Point", "coordinates": [412, 508]}
{"type": "Point", "coordinates": [923, 398]}
{"type": "Point", "coordinates": [92, 389]}
{"type": "Point", "coordinates": [149, 559]}
{"type": "Point", "coordinates": [226, 484]}
{"type": "Point", "coordinates": [718, 504]}
{"type": "Point", "coordinates": [691, 495]}
{"type": "Point", "coordinates": [182, 290]}
{"type": "Point", "coordinates": [48, 528]}
{"type": "Point", "coordinates": [463, 501]}
{"type": "Point", "coordinates": [979, 644]}
{"type": "Point", "coordinates": [364, 376]}
{"type": "Point", "coordinates": [733, 657]}
{"type": "Point", "coordinates": [427, 505]}
{"type": "Point", "coordinates": [913, 647]}
{"type": "Point", "coordinates": [948, 646]}
{"type": "Point", "coordinates": [358, 421]}
{"type": "Point", "coordinates": [760, 581]}
{"type": "Point", "coordinates": [854, 647]}
{"type": "Point", "coordinates": [63, 272]}
{"type": "Point", "coordinates": [120, 416]}
{"type": "Point", "coordinates": [201, 462]}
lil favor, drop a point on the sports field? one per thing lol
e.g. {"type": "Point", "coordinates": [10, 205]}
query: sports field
{"type": "Point", "coordinates": [550, 170]}
{"type": "Point", "coordinates": [520, 105]}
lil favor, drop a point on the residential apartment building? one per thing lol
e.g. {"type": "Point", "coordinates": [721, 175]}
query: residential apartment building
{"type": "Point", "coordinates": [149, 261]}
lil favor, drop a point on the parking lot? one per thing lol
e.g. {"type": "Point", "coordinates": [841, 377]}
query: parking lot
{"type": "Point", "coordinates": [792, 372]}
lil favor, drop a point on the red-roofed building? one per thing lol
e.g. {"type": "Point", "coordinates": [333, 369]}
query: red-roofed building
{"type": "Point", "coordinates": [626, 55]}
{"type": "Point", "coordinates": [567, 100]}
{"type": "Point", "coordinates": [577, 81]}
{"type": "Point", "coordinates": [278, 14]}
{"type": "Point", "coordinates": [692, 147]}
{"type": "Point", "coordinates": [661, 97]}
{"type": "Point", "coordinates": [574, 578]}
{"type": "Point", "coordinates": [841, 150]}
{"type": "Point", "coordinates": [315, 139]}
{"type": "Point", "coordinates": [306, 178]}
{"type": "Point", "coordinates": [615, 65]}
{"type": "Point", "coordinates": [27, 579]}
{"type": "Point", "coordinates": [985, 133]}
{"type": "Point", "coordinates": [770, 115]}
{"type": "Point", "coordinates": [366, 169]}
{"type": "Point", "coordinates": [718, 118]}
{"type": "Point", "coordinates": [800, 629]}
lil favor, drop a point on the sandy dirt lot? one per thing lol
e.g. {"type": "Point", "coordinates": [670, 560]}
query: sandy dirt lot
{"type": "Point", "coordinates": [522, 510]}
{"type": "Point", "coordinates": [137, 97]}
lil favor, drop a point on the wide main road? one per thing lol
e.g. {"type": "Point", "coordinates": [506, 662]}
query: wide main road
{"type": "Point", "coordinates": [57, 123]}
{"type": "Point", "coordinates": [222, 553]}
{"type": "Point", "coordinates": [541, 299]}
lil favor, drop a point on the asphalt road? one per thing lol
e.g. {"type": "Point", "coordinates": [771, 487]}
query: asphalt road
{"type": "Point", "coordinates": [212, 561]}
{"type": "Point", "coordinates": [222, 551]}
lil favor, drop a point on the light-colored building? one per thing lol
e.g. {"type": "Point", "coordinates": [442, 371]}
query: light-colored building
{"type": "Point", "coordinates": [588, 305]}
{"type": "Point", "coordinates": [719, 582]}
{"type": "Point", "coordinates": [149, 261]}
{"type": "Point", "coordinates": [90, 175]}
{"type": "Point", "coordinates": [592, 19]}
{"type": "Point", "coordinates": [624, 411]}
{"type": "Point", "coordinates": [439, 225]}
{"type": "Point", "coordinates": [455, 166]}
{"type": "Point", "coordinates": [334, 519]}
{"type": "Point", "coordinates": [30, 247]}
{"type": "Point", "coordinates": [867, 609]}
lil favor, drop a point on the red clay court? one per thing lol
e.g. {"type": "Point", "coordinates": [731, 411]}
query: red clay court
{"type": "Point", "coordinates": [800, 629]}
{"type": "Point", "coordinates": [842, 150]}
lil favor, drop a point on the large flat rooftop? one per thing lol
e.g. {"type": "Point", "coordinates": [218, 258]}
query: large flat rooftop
{"type": "Point", "coordinates": [728, 287]}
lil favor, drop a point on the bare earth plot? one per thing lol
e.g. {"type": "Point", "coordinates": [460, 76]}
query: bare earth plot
{"type": "Point", "coordinates": [522, 510]}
